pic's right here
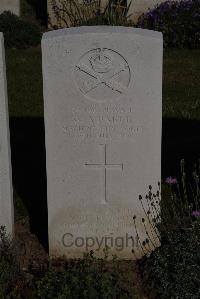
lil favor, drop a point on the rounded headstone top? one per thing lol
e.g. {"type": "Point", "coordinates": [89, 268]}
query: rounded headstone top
{"type": "Point", "coordinates": [102, 29]}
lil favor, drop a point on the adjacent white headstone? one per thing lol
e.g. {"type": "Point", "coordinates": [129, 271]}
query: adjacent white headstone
{"type": "Point", "coordinates": [6, 194]}
{"type": "Point", "coordinates": [10, 5]}
{"type": "Point", "coordinates": [103, 106]}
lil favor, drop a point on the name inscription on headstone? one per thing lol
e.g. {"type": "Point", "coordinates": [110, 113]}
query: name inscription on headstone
{"type": "Point", "coordinates": [102, 122]}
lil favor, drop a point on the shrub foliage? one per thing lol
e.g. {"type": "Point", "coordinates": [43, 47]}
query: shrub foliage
{"type": "Point", "coordinates": [60, 278]}
{"type": "Point", "coordinates": [83, 278]}
{"type": "Point", "coordinates": [9, 267]}
{"type": "Point", "coordinates": [179, 21]}
{"type": "Point", "coordinates": [17, 32]}
{"type": "Point", "coordinates": [173, 270]}
{"type": "Point", "coordinates": [71, 13]}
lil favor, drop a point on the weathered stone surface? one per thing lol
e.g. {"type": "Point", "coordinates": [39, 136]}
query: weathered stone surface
{"type": "Point", "coordinates": [103, 106]}
{"type": "Point", "coordinates": [6, 196]}
{"type": "Point", "coordinates": [10, 5]}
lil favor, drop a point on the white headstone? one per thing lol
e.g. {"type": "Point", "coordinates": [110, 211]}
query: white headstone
{"type": "Point", "coordinates": [103, 106]}
{"type": "Point", "coordinates": [6, 194]}
{"type": "Point", "coordinates": [10, 5]}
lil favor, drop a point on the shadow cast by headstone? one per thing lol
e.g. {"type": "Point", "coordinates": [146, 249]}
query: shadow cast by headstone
{"type": "Point", "coordinates": [29, 171]}
{"type": "Point", "coordinates": [180, 140]}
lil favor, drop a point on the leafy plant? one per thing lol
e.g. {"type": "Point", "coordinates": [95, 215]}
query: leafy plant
{"type": "Point", "coordinates": [70, 13]}
{"type": "Point", "coordinates": [84, 278]}
{"type": "Point", "coordinates": [60, 278]}
{"type": "Point", "coordinates": [173, 269]}
{"type": "Point", "coordinates": [179, 21]}
{"type": "Point", "coordinates": [9, 267]}
{"type": "Point", "coordinates": [17, 32]}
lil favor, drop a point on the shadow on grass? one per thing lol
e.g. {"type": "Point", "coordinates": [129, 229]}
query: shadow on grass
{"type": "Point", "coordinates": [181, 139]}
{"type": "Point", "coordinates": [29, 171]}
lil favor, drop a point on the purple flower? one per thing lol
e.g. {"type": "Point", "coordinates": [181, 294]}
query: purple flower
{"type": "Point", "coordinates": [171, 181]}
{"type": "Point", "coordinates": [196, 213]}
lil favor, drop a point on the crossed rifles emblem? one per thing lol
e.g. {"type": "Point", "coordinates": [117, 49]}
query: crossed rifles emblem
{"type": "Point", "coordinates": [102, 77]}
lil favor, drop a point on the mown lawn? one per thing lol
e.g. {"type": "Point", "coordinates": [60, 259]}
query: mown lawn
{"type": "Point", "coordinates": [24, 79]}
{"type": "Point", "coordinates": [181, 88]}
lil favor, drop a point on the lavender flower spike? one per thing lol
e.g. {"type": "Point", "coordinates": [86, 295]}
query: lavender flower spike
{"type": "Point", "coordinates": [171, 181]}
{"type": "Point", "coordinates": [196, 213]}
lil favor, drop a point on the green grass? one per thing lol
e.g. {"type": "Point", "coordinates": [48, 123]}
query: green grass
{"type": "Point", "coordinates": [24, 76]}
{"type": "Point", "coordinates": [181, 88]}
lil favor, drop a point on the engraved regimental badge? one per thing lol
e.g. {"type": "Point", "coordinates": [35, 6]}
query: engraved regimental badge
{"type": "Point", "coordinates": [102, 74]}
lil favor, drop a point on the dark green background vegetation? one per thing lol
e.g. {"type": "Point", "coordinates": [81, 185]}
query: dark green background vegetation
{"type": "Point", "coordinates": [181, 86]}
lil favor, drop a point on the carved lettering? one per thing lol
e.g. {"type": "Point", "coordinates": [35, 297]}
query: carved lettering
{"type": "Point", "coordinates": [102, 122]}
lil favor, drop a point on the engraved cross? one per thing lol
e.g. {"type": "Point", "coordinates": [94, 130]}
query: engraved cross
{"type": "Point", "coordinates": [105, 166]}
